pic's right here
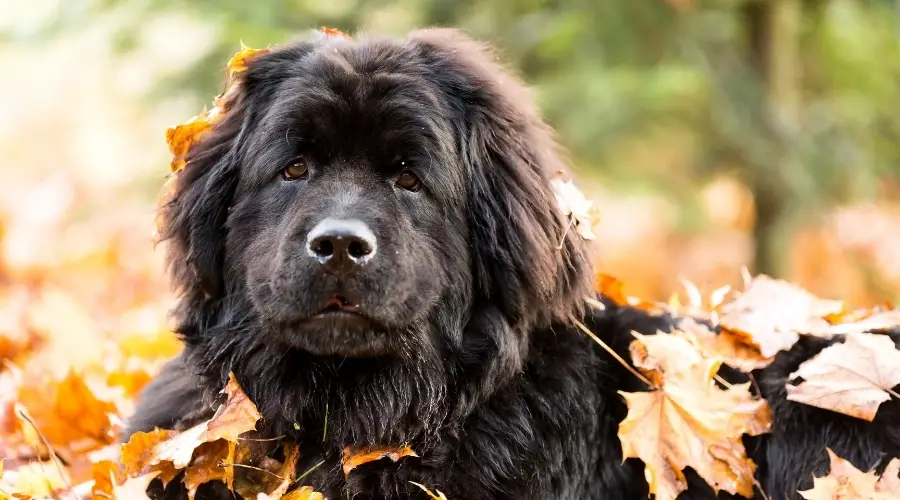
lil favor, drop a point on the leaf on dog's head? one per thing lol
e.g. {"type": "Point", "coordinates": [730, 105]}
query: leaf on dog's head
{"type": "Point", "coordinates": [181, 138]}
{"type": "Point", "coordinates": [852, 378]}
{"type": "Point", "coordinates": [352, 459]}
{"type": "Point", "coordinates": [770, 314]}
{"type": "Point", "coordinates": [844, 481]}
{"type": "Point", "coordinates": [573, 204]}
{"type": "Point", "coordinates": [239, 62]}
{"type": "Point", "coordinates": [335, 33]}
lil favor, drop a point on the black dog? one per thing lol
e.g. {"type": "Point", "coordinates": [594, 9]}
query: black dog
{"type": "Point", "coordinates": [369, 241]}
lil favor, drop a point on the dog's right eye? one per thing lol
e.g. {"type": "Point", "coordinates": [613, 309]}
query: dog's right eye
{"type": "Point", "coordinates": [296, 170]}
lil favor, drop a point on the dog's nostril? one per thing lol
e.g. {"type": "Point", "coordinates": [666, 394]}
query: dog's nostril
{"type": "Point", "coordinates": [323, 247]}
{"type": "Point", "coordinates": [358, 249]}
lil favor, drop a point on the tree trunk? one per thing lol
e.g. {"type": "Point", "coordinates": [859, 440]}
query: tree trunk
{"type": "Point", "coordinates": [773, 35]}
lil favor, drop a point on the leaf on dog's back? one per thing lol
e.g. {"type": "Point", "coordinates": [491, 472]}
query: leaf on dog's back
{"type": "Point", "coordinates": [689, 422]}
{"type": "Point", "coordinates": [770, 314]}
{"type": "Point", "coordinates": [352, 459]}
{"type": "Point", "coordinates": [844, 481]}
{"type": "Point", "coordinates": [852, 378]}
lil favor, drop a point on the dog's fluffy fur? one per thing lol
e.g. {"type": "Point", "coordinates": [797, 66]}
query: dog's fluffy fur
{"type": "Point", "coordinates": [462, 340]}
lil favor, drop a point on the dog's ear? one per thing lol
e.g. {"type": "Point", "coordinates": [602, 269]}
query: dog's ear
{"type": "Point", "coordinates": [527, 259]}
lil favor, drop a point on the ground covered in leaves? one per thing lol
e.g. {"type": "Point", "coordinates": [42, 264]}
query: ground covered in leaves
{"type": "Point", "coordinates": [59, 433]}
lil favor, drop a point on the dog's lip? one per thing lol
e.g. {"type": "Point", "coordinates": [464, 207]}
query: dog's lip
{"type": "Point", "coordinates": [339, 304]}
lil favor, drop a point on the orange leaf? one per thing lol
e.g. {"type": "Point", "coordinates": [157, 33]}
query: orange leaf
{"type": "Point", "coordinates": [724, 345]}
{"type": "Point", "coordinates": [354, 458]}
{"type": "Point", "coordinates": [138, 454]}
{"type": "Point", "coordinates": [335, 33]}
{"type": "Point", "coordinates": [852, 378]}
{"type": "Point", "coordinates": [239, 62]}
{"type": "Point", "coordinates": [181, 138]}
{"type": "Point", "coordinates": [237, 416]}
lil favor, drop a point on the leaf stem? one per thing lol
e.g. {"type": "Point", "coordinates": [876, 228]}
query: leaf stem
{"type": "Point", "coordinates": [614, 354]}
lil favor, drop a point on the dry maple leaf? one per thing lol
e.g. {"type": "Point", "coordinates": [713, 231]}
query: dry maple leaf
{"type": "Point", "coordinates": [771, 314]}
{"type": "Point", "coordinates": [846, 482]}
{"type": "Point", "coordinates": [574, 205]}
{"type": "Point", "coordinates": [134, 488]}
{"type": "Point", "coordinates": [728, 347]}
{"type": "Point", "coordinates": [614, 289]}
{"type": "Point", "coordinates": [181, 138]}
{"type": "Point", "coordinates": [690, 422]}
{"type": "Point", "coordinates": [852, 378]}
{"type": "Point", "coordinates": [199, 450]}
{"type": "Point", "coordinates": [352, 459]}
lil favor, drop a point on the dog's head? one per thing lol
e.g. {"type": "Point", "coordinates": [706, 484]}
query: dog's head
{"type": "Point", "coordinates": [357, 190]}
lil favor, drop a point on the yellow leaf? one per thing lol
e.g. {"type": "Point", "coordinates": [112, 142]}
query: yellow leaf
{"type": "Point", "coordinates": [689, 422]}
{"type": "Point", "coordinates": [239, 62]}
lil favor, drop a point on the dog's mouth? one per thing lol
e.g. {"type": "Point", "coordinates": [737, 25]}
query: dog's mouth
{"type": "Point", "coordinates": [339, 304]}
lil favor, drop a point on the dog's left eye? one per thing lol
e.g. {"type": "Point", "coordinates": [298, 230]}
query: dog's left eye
{"type": "Point", "coordinates": [409, 181]}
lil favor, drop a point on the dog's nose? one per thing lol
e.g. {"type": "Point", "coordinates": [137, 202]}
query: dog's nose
{"type": "Point", "coordinates": [341, 244]}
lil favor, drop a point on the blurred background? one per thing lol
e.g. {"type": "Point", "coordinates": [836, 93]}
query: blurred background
{"type": "Point", "coordinates": [712, 134]}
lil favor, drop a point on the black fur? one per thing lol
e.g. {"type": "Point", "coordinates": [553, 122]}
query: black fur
{"type": "Point", "coordinates": [468, 351]}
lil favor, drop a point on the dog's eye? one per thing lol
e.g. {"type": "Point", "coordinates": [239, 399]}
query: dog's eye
{"type": "Point", "coordinates": [296, 170]}
{"type": "Point", "coordinates": [409, 181]}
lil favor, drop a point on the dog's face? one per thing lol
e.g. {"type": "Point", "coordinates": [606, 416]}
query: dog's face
{"type": "Point", "coordinates": [348, 223]}
{"type": "Point", "coordinates": [375, 198]}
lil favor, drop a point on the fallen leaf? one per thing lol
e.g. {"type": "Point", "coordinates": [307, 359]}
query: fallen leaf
{"type": "Point", "coordinates": [690, 422]}
{"type": "Point", "coordinates": [68, 413]}
{"type": "Point", "coordinates": [852, 378]}
{"type": "Point", "coordinates": [661, 354]}
{"type": "Point", "coordinates": [302, 493]}
{"type": "Point", "coordinates": [211, 462]}
{"type": "Point", "coordinates": [728, 347]}
{"type": "Point", "coordinates": [352, 459]}
{"type": "Point", "coordinates": [770, 314]}
{"type": "Point", "coordinates": [134, 488]}
{"type": "Point", "coordinates": [107, 475]}
{"type": "Point", "coordinates": [237, 416]}
{"type": "Point", "coordinates": [138, 452]}
{"type": "Point", "coordinates": [846, 482]}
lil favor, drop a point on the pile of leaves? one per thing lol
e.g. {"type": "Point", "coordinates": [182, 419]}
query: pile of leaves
{"type": "Point", "coordinates": [59, 429]}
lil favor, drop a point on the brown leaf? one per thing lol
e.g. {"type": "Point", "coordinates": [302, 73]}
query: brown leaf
{"type": "Point", "coordinates": [352, 459]}
{"type": "Point", "coordinates": [690, 422]}
{"type": "Point", "coordinates": [771, 314]}
{"type": "Point", "coordinates": [237, 416]}
{"type": "Point", "coordinates": [138, 454]}
{"type": "Point", "coordinates": [211, 461]}
{"type": "Point", "coordinates": [852, 378]}
{"type": "Point", "coordinates": [199, 450]}
{"type": "Point", "coordinates": [846, 482]}
{"type": "Point", "coordinates": [728, 347]}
